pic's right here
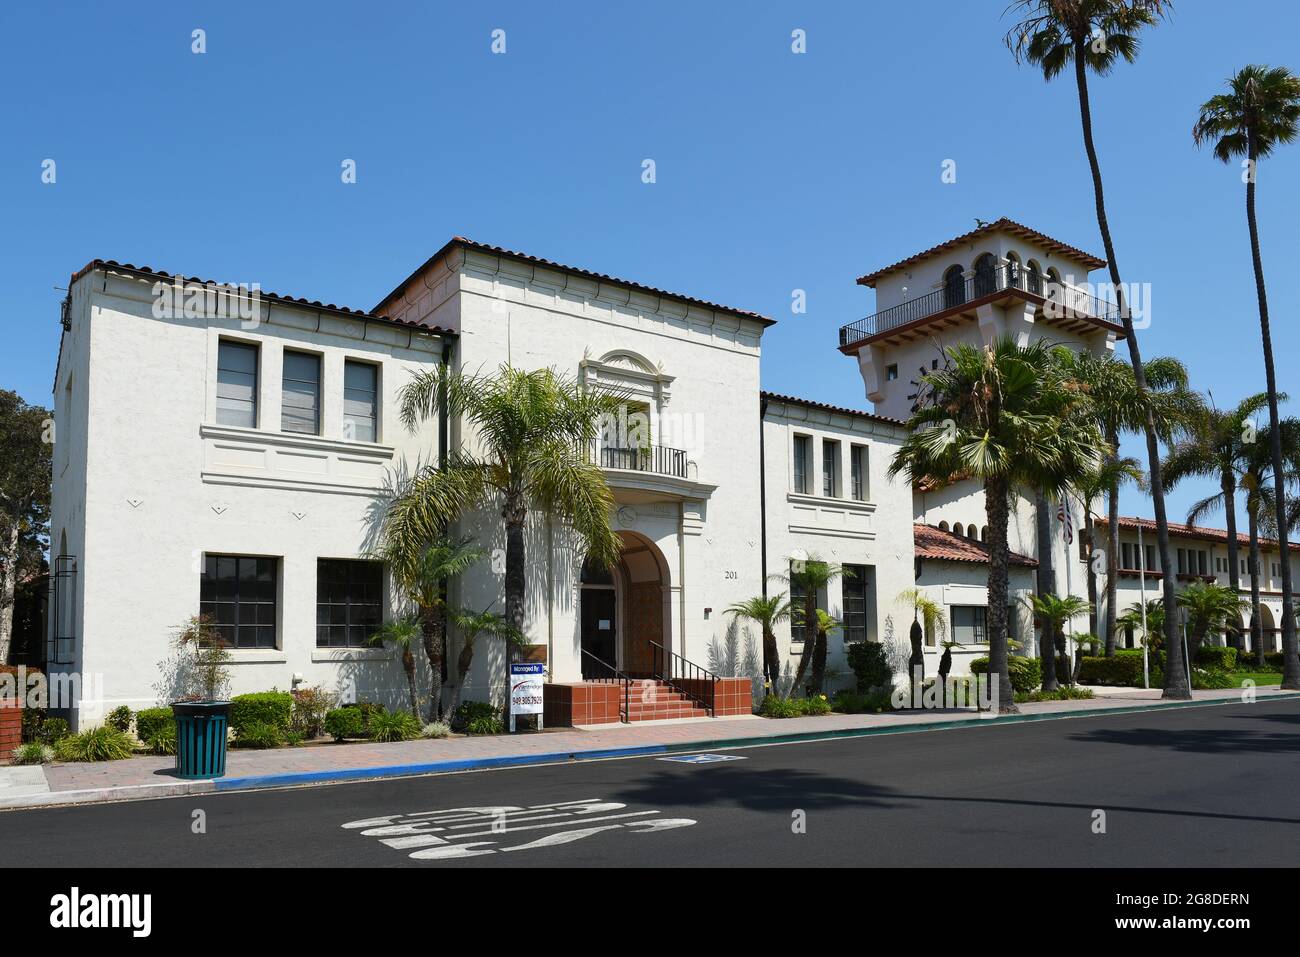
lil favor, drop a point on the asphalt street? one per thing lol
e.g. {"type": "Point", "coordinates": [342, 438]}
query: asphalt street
{"type": "Point", "coordinates": [1194, 787]}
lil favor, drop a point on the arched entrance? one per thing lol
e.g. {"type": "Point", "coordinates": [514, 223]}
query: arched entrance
{"type": "Point", "coordinates": [1268, 628]}
{"type": "Point", "coordinates": [623, 609]}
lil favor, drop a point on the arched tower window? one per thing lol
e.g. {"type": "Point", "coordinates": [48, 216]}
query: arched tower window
{"type": "Point", "coordinates": [954, 287]}
{"type": "Point", "coordinates": [985, 275]}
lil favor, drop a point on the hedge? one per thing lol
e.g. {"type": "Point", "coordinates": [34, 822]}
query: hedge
{"type": "Point", "coordinates": [271, 708]}
{"type": "Point", "coordinates": [1124, 670]}
{"type": "Point", "coordinates": [345, 723]}
{"type": "Point", "coordinates": [870, 665]}
{"type": "Point", "coordinates": [1211, 656]}
{"type": "Point", "coordinates": [151, 722]}
{"type": "Point", "coordinates": [1026, 673]}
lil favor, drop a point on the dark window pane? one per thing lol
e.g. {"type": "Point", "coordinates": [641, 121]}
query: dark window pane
{"type": "Point", "coordinates": [348, 602]}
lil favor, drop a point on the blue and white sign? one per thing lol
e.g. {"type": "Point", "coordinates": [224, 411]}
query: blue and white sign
{"type": "Point", "coordinates": [526, 682]}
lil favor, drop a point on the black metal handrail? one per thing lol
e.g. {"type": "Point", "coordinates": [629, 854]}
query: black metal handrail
{"type": "Point", "coordinates": [599, 670]}
{"type": "Point", "coordinates": [1061, 301]}
{"type": "Point", "coordinates": [647, 458]}
{"type": "Point", "coordinates": [680, 670]}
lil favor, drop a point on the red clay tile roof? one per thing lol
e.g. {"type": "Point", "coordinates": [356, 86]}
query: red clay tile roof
{"type": "Point", "coordinates": [935, 543]}
{"type": "Point", "coordinates": [809, 403]}
{"type": "Point", "coordinates": [538, 261]}
{"type": "Point", "coordinates": [1179, 530]}
{"type": "Point", "coordinates": [148, 273]}
{"type": "Point", "coordinates": [1003, 224]}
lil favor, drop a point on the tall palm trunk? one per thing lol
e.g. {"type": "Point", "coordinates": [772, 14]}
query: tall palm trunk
{"type": "Point", "coordinates": [819, 663]}
{"type": "Point", "coordinates": [463, 662]}
{"type": "Point", "coordinates": [1089, 534]}
{"type": "Point", "coordinates": [515, 514]}
{"type": "Point", "coordinates": [1290, 661]}
{"type": "Point", "coordinates": [1045, 586]}
{"type": "Point", "coordinates": [1112, 557]}
{"type": "Point", "coordinates": [997, 507]}
{"type": "Point", "coordinates": [1176, 683]}
{"type": "Point", "coordinates": [433, 631]}
{"type": "Point", "coordinates": [408, 665]}
{"type": "Point", "coordinates": [1228, 483]}
{"type": "Point", "coordinates": [1256, 621]}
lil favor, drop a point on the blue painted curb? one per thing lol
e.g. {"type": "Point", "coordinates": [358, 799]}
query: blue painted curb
{"type": "Point", "coordinates": [523, 760]}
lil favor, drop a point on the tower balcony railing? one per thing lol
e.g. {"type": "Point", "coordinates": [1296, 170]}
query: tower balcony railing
{"type": "Point", "coordinates": [1059, 300]}
{"type": "Point", "coordinates": [659, 459]}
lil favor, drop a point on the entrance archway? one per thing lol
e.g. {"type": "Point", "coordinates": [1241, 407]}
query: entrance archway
{"type": "Point", "coordinates": [623, 609]}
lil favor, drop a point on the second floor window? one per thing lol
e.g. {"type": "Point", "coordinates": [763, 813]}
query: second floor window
{"type": "Point", "coordinates": [801, 448]}
{"type": "Point", "coordinates": [830, 468]}
{"type": "Point", "coordinates": [237, 384]}
{"type": "Point", "coordinates": [858, 471]}
{"type": "Point", "coordinates": [300, 402]}
{"type": "Point", "coordinates": [360, 402]}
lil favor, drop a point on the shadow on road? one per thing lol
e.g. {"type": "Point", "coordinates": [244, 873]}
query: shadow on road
{"type": "Point", "coordinates": [755, 789]}
{"type": "Point", "coordinates": [1208, 741]}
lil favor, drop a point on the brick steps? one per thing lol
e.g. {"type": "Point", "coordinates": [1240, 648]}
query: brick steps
{"type": "Point", "coordinates": [599, 702]}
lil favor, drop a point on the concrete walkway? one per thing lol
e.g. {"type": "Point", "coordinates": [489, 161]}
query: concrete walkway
{"type": "Point", "coordinates": [149, 777]}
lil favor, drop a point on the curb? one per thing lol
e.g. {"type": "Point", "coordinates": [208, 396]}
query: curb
{"type": "Point", "coordinates": [300, 778]}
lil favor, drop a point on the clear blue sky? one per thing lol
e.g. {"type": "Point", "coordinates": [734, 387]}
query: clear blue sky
{"type": "Point", "coordinates": [775, 171]}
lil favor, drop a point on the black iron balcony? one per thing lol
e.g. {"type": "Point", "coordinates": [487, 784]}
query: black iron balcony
{"type": "Point", "coordinates": [648, 458]}
{"type": "Point", "coordinates": [1059, 301]}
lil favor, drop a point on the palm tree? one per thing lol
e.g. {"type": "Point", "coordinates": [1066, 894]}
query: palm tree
{"type": "Point", "coordinates": [927, 619]}
{"type": "Point", "coordinates": [422, 576]}
{"type": "Point", "coordinates": [1261, 110]}
{"type": "Point", "coordinates": [1113, 473]}
{"type": "Point", "coordinates": [1209, 608]}
{"type": "Point", "coordinates": [1011, 418]}
{"type": "Point", "coordinates": [472, 624]}
{"type": "Point", "coordinates": [1120, 407]}
{"type": "Point", "coordinates": [403, 634]}
{"type": "Point", "coordinates": [1053, 612]}
{"type": "Point", "coordinates": [766, 611]}
{"type": "Point", "coordinates": [1095, 35]}
{"type": "Point", "coordinates": [1215, 446]}
{"type": "Point", "coordinates": [810, 575]}
{"type": "Point", "coordinates": [534, 432]}
{"type": "Point", "coordinates": [1251, 462]}
{"type": "Point", "coordinates": [1153, 636]}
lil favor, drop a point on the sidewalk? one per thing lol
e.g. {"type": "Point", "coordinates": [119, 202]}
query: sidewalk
{"type": "Point", "coordinates": [150, 777]}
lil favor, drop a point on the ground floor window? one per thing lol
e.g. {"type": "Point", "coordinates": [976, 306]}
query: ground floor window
{"type": "Point", "coordinates": [969, 626]}
{"type": "Point", "coordinates": [239, 592]}
{"type": "Point", "coordinates": [855, 584]}
{"type": "Point", "coordinates": [349, 602]}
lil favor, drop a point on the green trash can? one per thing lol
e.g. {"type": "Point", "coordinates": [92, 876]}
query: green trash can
{"type": "Point", "coordinates": [201, 738]}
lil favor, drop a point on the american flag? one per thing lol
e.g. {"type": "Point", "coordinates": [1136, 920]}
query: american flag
{"type": "Point", "coordinates": [1067, 522]}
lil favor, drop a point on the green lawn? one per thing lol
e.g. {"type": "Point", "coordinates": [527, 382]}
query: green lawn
{"type": "Point", "coordinates": [1262, 679]}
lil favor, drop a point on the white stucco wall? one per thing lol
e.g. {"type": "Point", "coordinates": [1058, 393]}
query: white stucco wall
{"type": "Point", "coordinates": [876, 532]}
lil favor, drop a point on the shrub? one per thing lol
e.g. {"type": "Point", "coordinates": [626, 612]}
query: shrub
{"type": "Point", "coordinates": [345, 723]}
{"type": "Point", "coordinates": [1272, 659]}
{"type": "Point", "coordinates": [271, 708]}
{"type": "Point", "coordinates": [310, 705]}
{"type": "Point", "coordinates": [104, 743]}
{"type": "Point", "coordinates": [161, 739]}
{"type": "Point", "coordinates": [1212, 656]}
{"type": "Point", "coordinates": [1123, 670]}
{"type": "Point", "coordinates": [119, 718]}
{"type": "Point", "coordinates": [469, 711]}
{"type": "Point", "coordinates": [1026, 674]}
{"type": "Point", "coordinates": [870, 664]}
{"type": "Point", "coordinates": [776, 707]}
{"type": "Point", "coordinates": [436, 729]}
{"type": "Point", "coordinates": [294, 738]}
{"type": "Point", "coordinates": [33, 718]}
{"type": "Point", "coordinates": [259, 734]}
{"type": "Point", "coordinates": [1062, 693]}
{"type": "Point", "coordinates": [485, 724]}
{"type": "Point", "coordinates": [52, 731]}
{"type": "Point", "coordinates": [394, 726]}
{"type": "Point", "coordinates": [814, 706]}
{"type": "Point", "coordinates": [1207, 678]}
{"type": "Point", "coordinates": [873, 702]}
{"type": "Point", "coordinates": [152, 722]}
{"type": "Point", "coordinates": [33, 753]}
